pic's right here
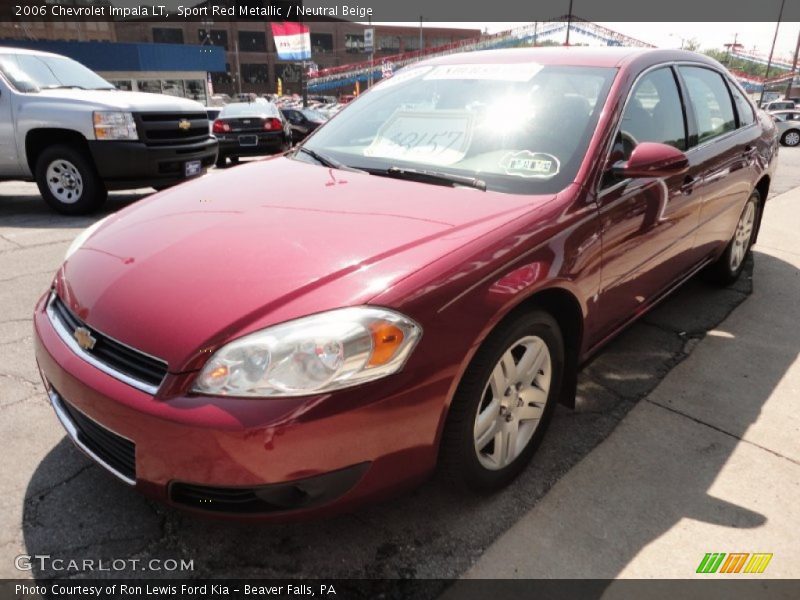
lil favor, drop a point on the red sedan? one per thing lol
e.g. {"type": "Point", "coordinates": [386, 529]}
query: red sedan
{"type": "Point", "coordinates": [416, 285]}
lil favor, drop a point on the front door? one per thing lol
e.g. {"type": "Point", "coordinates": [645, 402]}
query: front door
{"type": "Point", "coordinates": [647, 223]}
{"type": "Point", "coordinates": [9, 162]}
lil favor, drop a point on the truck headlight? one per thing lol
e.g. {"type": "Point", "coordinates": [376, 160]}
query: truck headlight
{"type": "Point", "coordinates": [113, 125]}
{"type": "Point", "coordinates": [328, 351]}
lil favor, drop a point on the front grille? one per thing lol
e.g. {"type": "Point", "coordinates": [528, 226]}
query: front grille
{"type": "Point", "coordinates": [162, 129]}
{"type": "Point", "coordinates": [118, 453]}
{"type": "Point", "coordinates": [116, 356]}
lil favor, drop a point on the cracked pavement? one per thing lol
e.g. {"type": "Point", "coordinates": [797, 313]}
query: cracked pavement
{"type": "Point", "coordinates": [58, 502]}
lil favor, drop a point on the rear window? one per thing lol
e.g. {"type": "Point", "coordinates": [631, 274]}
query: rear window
{"type": "Point", "coordinates": [711, 101]}
{"type": "Point", "coordinates": [256, 109]}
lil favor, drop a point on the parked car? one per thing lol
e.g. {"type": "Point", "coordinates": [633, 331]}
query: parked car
{"type": "Point", "coordinates": [776, 105]}
{"type": "Point", "coordinates": [249, 129]}
{"type": "Point", "coordinates": [416, 284]}
{"type": "Point", "coordinates": [788, 122]}
{"type": "Point", "coordinates": [212, 112]}
{"type": "Point", "coordinates": [77, 136]}
{"type": "Point", "coordinates": [303, 121]}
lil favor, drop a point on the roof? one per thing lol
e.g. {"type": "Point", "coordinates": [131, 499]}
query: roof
{"type": "Point", "coordinates": [593, 56]}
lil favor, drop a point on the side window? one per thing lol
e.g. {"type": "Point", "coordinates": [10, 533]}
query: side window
{"type": "Point", "coordinates": [653, 113]}
{"type": "Point", "coordinates": [711, 101]}
{"type": "Point", "coordinates": [746, 116]}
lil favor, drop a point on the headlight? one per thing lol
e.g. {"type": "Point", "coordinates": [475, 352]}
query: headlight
{"type": "Point", "coordinates": [112, 125]}
{"type": "Point", "coordinates": [84, 235]}
{"type": "Point", "coordinates": [328, 351]}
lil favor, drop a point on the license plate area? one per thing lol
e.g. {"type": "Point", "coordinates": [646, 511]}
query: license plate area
{"type": "Point", "coordinates": [248, 140]}
{"type": "Point", "coordinates": [193, 168]}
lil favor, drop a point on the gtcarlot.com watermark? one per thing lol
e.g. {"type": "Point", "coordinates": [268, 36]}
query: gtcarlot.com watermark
{"type": "Point", "coordinates": [46, 562]}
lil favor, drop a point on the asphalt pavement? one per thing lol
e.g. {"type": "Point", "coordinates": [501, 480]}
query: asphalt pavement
{"type": "Point", "coordinates": [58, 502]}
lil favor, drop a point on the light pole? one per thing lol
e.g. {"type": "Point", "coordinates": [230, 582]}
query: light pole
{"type": "Point", "coordinates": [771, 52]}
{"type": "Point", "coordinates": [569, 22]}
{"type": "Point", "coordinates": [794, 67]}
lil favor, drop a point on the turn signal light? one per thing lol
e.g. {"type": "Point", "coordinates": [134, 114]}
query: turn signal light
{"type": "Point", "coordinates": [386, 340]}
{"type": "Point", "coordinates": [220, 127]}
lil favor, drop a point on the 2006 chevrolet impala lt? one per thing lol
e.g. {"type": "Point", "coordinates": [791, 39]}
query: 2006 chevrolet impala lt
{"type": "Point", "coordinates": [416, 285]}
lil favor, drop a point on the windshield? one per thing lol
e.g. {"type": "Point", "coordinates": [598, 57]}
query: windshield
{"type": "Point", "coordinates": [313, 115]}
{"type": "Point", "coordinates": [521, 128]}
{"type": "Point", "coordinates": [244, 109]}
{"type": "Point", "coordinates": [30, 73]}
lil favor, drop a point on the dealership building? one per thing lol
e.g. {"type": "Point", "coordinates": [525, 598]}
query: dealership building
{"type": "Point", "coordinates": [176, 57]}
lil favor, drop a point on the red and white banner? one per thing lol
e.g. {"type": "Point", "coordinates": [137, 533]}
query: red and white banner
{"type": "Point", "coordinates": [292, 41]}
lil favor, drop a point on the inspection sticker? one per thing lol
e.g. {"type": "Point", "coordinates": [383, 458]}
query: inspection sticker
{"type": "Point", "coordinates": [530, 164]}
{"type": "Point", "coordinates": [518, 72]}
{"type": "Point", "coordinates": [439, 137]}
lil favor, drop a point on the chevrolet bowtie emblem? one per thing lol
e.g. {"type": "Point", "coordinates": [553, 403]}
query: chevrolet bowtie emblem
{"type": "Point", "coordinates": [184, 125]}
{"type": "Point", "coordinates": [84, 338]}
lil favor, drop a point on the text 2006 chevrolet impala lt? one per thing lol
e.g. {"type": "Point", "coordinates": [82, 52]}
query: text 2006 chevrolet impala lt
{"type": "Point", "coordinates": [415, 285]}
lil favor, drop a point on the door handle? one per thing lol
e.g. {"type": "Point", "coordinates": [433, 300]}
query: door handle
{"type": "Point", "coordinates": [749, 151]}
{"type": "Point", "coordinates": [687, 187]}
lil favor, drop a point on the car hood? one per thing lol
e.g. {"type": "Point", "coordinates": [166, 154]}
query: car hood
{"type": "Point", "coordinates": [184, 271]}
{"type": "Point", "coordinates": [129, 101]}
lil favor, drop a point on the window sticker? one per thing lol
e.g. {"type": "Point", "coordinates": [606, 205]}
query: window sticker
{"type": "Point", "coordinates": [440, 137]}
{"type": "Point", "coordinates": [525, 163]}
{"type": "Point", "coordinates": [518, 72]}
{"type": "Point", "coordinates": [401, 76]}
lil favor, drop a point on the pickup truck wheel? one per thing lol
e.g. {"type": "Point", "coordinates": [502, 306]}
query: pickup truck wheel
{"type": "Point", "coordinates": [504, 403]}
{"type": "Point", "coordinates": [68, 181]}
{"type": "Point", "coordinates": [221, 162]}
{"type": "Point", "coordinates": [729, 266]}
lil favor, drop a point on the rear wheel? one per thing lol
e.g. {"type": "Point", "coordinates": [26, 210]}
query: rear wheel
{"type": "Point", "coordinates": [221, 162]}
{"type": "Point", "coordinates": [504, 403]}
{"type": "Point", "coordinates": [791, 138]}
{"type": "Point", "coordinates": [68, 180]}
{"type": "Point", "coordinates": [729, 266]}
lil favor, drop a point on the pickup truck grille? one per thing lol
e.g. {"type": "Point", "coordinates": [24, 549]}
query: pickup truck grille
{"type": "Point", "coordinates": [171, 129]}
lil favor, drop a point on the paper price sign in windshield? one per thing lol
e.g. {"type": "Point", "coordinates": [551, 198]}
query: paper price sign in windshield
{"type": "Point", "coordinates": [436, 138]}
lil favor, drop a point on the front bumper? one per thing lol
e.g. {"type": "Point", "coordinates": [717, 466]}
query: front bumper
{"type": "Point", "coordinates": [309, 456]}
{"type": "Point", "coordinates": [125, 165]}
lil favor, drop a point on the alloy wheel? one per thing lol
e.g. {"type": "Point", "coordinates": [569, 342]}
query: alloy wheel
{"type": "Point", "coordinates": [744, 232]}
{"type": "Point", "coordinates": [792, 138]}
{"type": "Point", "coordinates": [512, 403]}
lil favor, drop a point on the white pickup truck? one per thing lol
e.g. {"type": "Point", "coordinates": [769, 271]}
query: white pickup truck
{"type": "Point", "coordinates": [77, 136]}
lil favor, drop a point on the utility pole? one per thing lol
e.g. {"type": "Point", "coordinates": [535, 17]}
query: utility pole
{"type": "Point", "coordinates": [569, 22]}
{"type": "Point", "coordinates": [771, 52]}
{"type": "Point", "coordinates": [794, 67]}
{"type": "Point", "coordinates": [238, 64]}
{"type": "Point", "coordinates": [420, 35]}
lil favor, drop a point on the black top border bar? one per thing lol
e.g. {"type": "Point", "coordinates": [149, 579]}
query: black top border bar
{"type": "Point", "coordinates": [474, 11]}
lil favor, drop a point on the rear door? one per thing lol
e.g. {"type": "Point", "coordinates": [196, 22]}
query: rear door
{"type": "Point", "coordinates": [648, 223]}
{"type": "Point", "coordinates": [726, 147]}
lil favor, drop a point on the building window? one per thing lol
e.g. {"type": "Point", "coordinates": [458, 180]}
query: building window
{"type": "Point", "coordinates": [214, 37]}
{"type": "Point", "coordinates": [410, 42]}
{"type": "Point", "coordinates": [321, 43]}
{"type": "Point", "coordinates": [389, 43]}
{"type": "Point", "coordinates": [353, 43]}
{"type": "Point", "coordinates": [254, 73]}
{"type": "Point", "coordinates": [126, 85]}
{"type": "Point", "coordinates": [195, 89]}
{"type": "Point", "coordinates": [151, 86]}
{"type": "Point", "coordinates": [252, 41]}
{"type": "Point", "coordinates": [288, 73]}
{"type": "Point", "coordinates": [222, 79]}
{"type": "Point", "coordinates": [167, 35]}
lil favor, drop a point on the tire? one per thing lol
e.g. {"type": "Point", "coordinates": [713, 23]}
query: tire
{"type": "Point", "coordinates": [791, 138]}
{"type": "Point", "coordinates": [234, 160]}
{"type": "Point", "coordinates": [727, 268]}
{"type": "Point", "coordinates": [68, 181]}
{"type": "Point", "coordinates": [221, 162]}
{"type": "Point", "coordinates": [474, 452]}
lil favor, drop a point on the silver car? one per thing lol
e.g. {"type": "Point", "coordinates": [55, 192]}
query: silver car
{"type": "Point", "coordinates": [788, 122]}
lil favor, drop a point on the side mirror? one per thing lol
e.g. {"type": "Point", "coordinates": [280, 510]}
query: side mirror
{"type": "Point", "coordinates": [651, 159]}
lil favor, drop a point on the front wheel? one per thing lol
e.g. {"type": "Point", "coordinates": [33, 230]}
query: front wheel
{"type": "Point", "coordinates": [68, 181]}
{"type": "Point", "coordinates": [504, 403]}
{"type": "Point", "coordinates": [791, 138]}
{"type": "Point", "coordinates": [729, 266]}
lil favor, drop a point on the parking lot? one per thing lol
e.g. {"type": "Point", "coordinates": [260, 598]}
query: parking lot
{"type": "Point", "coordinates": [58, 502]}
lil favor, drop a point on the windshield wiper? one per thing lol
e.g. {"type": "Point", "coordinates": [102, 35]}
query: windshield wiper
{"type": "Point", "coordinates": [327, 161]}
{"type": "Point", "coordinates": [433, 177]}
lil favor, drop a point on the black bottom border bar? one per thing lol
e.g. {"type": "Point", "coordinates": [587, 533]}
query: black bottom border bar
{"type": "Point", "coordinates": [745, 587]}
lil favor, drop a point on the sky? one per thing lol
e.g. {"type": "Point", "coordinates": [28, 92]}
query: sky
{"type": "Point", "coordinates": [756, 36]}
